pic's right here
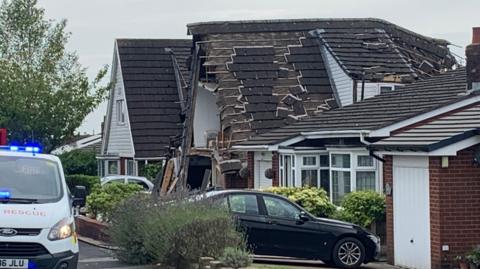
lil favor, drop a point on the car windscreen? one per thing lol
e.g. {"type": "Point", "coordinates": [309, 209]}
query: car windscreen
{"type": "Point", "coordinates": [30, 178]}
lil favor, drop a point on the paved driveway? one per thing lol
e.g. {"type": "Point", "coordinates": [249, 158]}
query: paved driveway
{"type": "Point", "coordinates": [92, 257]}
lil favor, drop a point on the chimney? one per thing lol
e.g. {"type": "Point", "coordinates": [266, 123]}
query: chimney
{"type": "Point", "coordinates": [473, 61]}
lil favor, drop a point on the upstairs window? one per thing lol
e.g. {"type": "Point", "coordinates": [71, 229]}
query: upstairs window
{"type": "Point", "coordinates": [385, 89]}
{"type": "Point", "coordinates": [120, 112]}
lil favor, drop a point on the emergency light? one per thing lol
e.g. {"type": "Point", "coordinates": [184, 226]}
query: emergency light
{"type": "Point", "coordinates": [31, 149]}
{"type": "Point", "coordinates": [4, 194]}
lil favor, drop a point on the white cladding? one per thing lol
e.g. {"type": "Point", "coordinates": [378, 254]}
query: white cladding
{"type": "Point", "coordinates": [119, 135]}
{"type": "Point", "coordinates": [343, 83]}
{"type": "Point", "coordinates": [411, 211]}
{"type": "Point", "coordinates": [206, 119]}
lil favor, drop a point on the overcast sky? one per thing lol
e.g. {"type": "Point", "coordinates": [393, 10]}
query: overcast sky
{"type": "Point", "coordinates": [95, 24]}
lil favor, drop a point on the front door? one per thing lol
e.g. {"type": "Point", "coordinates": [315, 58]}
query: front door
{"type": "Point", "coordinates": [262, 182]}
{"type": "Point", "coordinates": [411, 212]}
{"type": "Point", "coordinates": [289, 236]}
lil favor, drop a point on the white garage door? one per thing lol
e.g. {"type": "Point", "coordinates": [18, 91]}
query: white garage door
{"type": "Point", "coordinates": [261, 181]}
{"type": "Point", "coordinates": [411, 212]}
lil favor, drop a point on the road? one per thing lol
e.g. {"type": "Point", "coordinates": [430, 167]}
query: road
{"type": "Point", "coordinates": [93, 257]}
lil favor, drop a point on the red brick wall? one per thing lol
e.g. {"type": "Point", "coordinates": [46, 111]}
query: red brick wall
{"type": "Point", "coordinates": [276, 169]}
{"type": "Point", "coordinates": [251, 169]}
{"type": "Point", "coordinates": [388, 179]}
{"type": "Point", "coordinates": [455, 204]}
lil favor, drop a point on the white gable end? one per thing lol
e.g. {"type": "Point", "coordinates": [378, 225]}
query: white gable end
{"type": "Point", "coordinates": [119, 140]}
{"type": "Point", "coordinates": [343, 83]}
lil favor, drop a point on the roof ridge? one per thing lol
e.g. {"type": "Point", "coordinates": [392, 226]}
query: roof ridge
{"type": "Point", "coordinates": [311, 20]}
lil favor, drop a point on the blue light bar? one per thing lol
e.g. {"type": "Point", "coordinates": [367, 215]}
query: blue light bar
{"type": "Point", "coordinates": [31, 149]}
{"type": "Point", "coordinates": [5, 194]}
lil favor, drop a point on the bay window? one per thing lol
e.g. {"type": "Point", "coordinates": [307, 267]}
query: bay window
{"type": "Point", "coordinates": [337, 172]}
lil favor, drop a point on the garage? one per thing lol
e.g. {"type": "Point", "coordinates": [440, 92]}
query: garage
{"type": "Point", "coordinates": [411, 211]}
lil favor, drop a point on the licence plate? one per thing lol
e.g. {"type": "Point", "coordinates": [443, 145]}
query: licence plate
{"type": "Point", "coordinates": [13, 263]}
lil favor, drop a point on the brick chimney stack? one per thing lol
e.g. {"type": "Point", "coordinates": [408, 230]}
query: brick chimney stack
{"type": "Point", "coordinates": [473, 61]}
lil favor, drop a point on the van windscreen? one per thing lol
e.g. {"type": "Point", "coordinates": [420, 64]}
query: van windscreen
{"type": "Point", "coordinates": [30, 178]}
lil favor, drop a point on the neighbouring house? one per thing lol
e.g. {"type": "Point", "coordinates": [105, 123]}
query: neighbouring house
{"type": "Point", "coordinates": [81, 142]}
{"type": "Point", "coordinates": [144, 116]}
{"type": "Point", "coordinates": [420, 145]}
{"type": "Point", "coordinates": [251, 77]}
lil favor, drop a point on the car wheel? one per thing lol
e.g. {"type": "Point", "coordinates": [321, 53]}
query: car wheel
{"type": "Point", "coordinates": [348, 253]}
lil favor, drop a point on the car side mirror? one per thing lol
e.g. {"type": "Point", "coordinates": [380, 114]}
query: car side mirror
{"type": "Point", "coordinates": [303, 216]}
{"type": "Point", "coordinates": [79, 196]}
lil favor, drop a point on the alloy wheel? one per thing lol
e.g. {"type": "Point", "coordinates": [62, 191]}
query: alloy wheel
{"type": "Point", "coordinates": [349, 253]}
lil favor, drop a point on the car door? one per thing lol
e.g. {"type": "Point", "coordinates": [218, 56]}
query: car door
{"type": "Point", "coordinates": [252, 221]}
{"type": "Point", "coordinates": [290, 236]}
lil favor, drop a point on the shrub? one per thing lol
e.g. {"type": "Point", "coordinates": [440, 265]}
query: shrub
{"type": "Point", "coordinates": [188, 231]}
{"type": "Point", "coordinates": [79, 162]}
{"type": "Point", "coordinates": [314, 200]}
{"type": "Point", "coordinates": [173, 232]}
{"type": "Point", "coordinates": [90, 182]}
{"type": "Point", "coordinates": [363, 208]}
{"type": "Point", "coordinates": [126, 230]}
{"type": "Point", "coordinates": [151, 170]}
{"type": "Point", "coordinates": [235, 257]}
{"type": "Point", "coordinates": [103, 200]}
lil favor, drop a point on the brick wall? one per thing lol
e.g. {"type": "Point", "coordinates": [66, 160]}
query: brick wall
{"type": "Point", "coordinates": [388, 179]}
{"type": "Point", "coordinates": [251, 169]}
{"type": "Point", "coordinates": [455, 207]}
{"type": "Point", "coordinates": [276, 169]}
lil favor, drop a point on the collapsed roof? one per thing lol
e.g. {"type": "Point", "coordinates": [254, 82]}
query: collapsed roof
{"type": "Point", "coordinates": [380, 111]}
{"type": "Point", "coordinates": [270, 73]}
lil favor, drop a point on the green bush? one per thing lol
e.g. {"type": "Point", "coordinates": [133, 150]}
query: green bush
{"type": "Point", "coordinates": [79, 162]}
{"type": "Point", "coordinates": [126, 230]}
{"type": "Point", "coordinates": [175, 232]}
{"type": "Point", "coordinates": [90, 182]}
{"type": "Point", "coordinates": [362, 208]}
{"type": "Point", "coordinates": [235, 258]}
{"type": "Point", "coordinates": [103, 200]}
{"type": "Point", "coordinates": [314, 200]}
{"type": "Point", "coordinates": [151, 170]}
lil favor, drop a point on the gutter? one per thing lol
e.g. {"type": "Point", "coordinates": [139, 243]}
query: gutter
{"type": "Point", "coordinates": [371, 151]}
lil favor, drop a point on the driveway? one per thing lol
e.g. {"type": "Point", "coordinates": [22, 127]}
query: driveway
{"type": "Point", "coordinates": [92, 257]}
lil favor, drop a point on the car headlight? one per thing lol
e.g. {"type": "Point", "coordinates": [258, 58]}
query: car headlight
{"type": "Point", "coordinates": [63, 229]}
{"type": "Point", "coordinates": [374, 238]}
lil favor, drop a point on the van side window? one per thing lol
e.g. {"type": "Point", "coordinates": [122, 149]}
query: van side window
{"type": "Point", "coordinates": [244, 204]}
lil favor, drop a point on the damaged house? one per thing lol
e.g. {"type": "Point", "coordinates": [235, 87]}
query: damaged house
{"type": "Point", "coordinates": [252, 77]}
{"type": "Point", "coordinates": [143, 121]}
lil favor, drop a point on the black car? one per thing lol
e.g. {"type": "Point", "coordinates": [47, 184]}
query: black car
{"type": "Point", "coordinates": [275, 226]}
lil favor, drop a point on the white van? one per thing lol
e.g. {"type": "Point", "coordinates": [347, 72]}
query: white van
{"type": "Point", "coordinates": [37, 228]}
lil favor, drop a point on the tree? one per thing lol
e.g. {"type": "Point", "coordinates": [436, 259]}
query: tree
{"type": "Point", "coordinates": [44, 91]}
{"type": "Point", "coordinates": [79, 162]}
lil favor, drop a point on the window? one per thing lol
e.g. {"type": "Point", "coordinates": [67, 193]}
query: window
{"type": "Point", "coordinates": [120, 112]}
{"type": "Point", "coordinates": [385, 89]}
{"type": "Point", "coordinates": [341, 176]}
{"type": "Point", "coordinates": [287, 170]}
{"type": "Point", "coordinates": [366, 180]}
{"type": "Point", "coordinates": [310, 177]}
{"type": "Point", "coordinates": [364, 161]}
{"type": "Point", "coordinates": [244, 204]}
{"type": "Point", "coordinates": [310, 161]}
{"type": "Point", "coordinates": [341, 160]}
{"type": "Point", "coordinates": [112, 167]}
{"type": "Point", "coordinates": [279, 208]}
{"type": "Point", "coordinates": [130, 164]}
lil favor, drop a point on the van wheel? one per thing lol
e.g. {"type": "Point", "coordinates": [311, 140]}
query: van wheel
{"type": "Point", "coordinates": [348, 253]}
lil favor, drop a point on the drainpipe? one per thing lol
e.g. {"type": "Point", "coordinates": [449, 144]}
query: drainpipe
{"type": "Point", "coordinates": [371, 152]}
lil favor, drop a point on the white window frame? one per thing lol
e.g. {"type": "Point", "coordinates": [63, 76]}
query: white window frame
{"type": "Point", "coordinates": [354, 168]}
{"type": "Point", "coordinates": [121, 117]}
{"type": "Point", "coordinates": [292, 179]}
{"type": "Point", "coordinates": [133, 167]}
{"type": "Point", "coordinates": [107, 168]}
